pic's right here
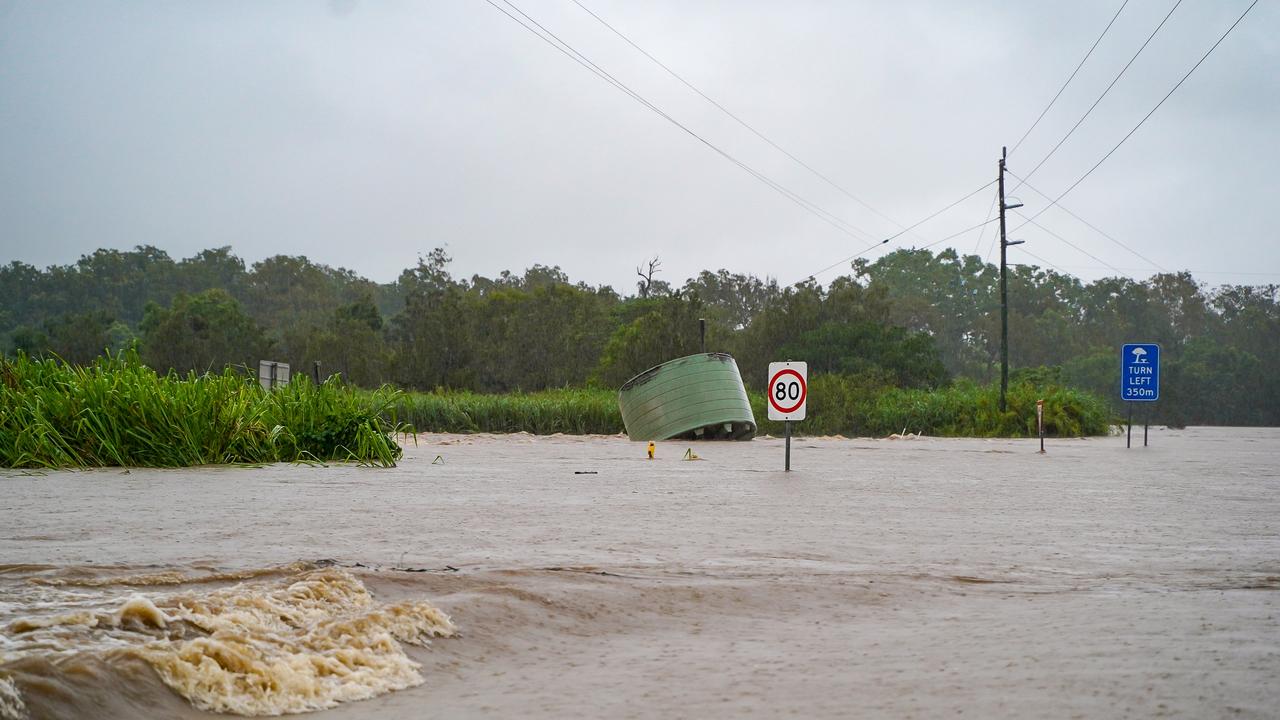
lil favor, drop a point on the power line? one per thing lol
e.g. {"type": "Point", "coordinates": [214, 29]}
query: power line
{"type": "Point", "coordinates": [885, 241]}
{"type": "Point", "coordinates": [1194, 272]}
{"type": "Point", "coordinates": [990, 211]}
{"type": "Point", "coordinates": [1064, 85]}
{"type": "Point", "coordinates": [1104, 92]}
{"type": "Point", "coordinates": [1068, 242]}
{"type": "Point", "coordinates": [1095, 228]}
{"type": "Point", "coordinates": [735, 117]}
{"type": "Point", "coordinates": [969, 229]}
{"type": "Point", "coordinates": [573, 54]}
{"type": "Point", "coordinates": [1098, 164]}
{"type": "Point", "coordinates": [1046, 262]}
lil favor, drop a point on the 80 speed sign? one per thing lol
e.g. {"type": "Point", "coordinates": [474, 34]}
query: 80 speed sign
{"type": "Point", "coordinates": [788, 390]}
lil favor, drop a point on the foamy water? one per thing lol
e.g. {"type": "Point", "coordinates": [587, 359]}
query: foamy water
{"type": "Point", "coordinates": [915, 577]}
{"type": "Point", "coordinates": [277, 641]}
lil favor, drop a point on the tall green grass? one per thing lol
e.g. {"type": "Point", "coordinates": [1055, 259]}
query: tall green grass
{"type": "Point", "coordinates": [837, 406]}
{"type": "Point", "coordinates": [843, 406]}
{"type": "Point", "coordinates": [574, 412]}
{"type": "Point", "coordinates": [118, 412]}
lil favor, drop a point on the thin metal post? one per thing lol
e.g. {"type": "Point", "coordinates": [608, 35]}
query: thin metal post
{"type": "Point", "coordinates": [273, 374]}
{"type": "Point", "coordinates": [702, 330]}
{"type": "Point", "coordinates": [1129, 440]}
{"type": "Point", "coordinates": [787, 425]}
{"type": "Point", "coordinates": [1146, 418]}
{"type": "Point", "coordinates": [315, 371]}
{"type": "Point", "coordinates": [1040, 422]}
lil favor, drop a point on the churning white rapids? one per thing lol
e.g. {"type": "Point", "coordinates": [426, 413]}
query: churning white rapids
{"type": "Point", "coordinates": [551, 577]}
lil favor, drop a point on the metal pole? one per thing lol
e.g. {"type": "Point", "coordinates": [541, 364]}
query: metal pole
{"type": "Point", "coordinates": [1004, 295]}
{"type": "Point", "coordinates": [1040, 422]}
{"type": "Point", "coordinates": [315, 371]}
{"type": "Point", "coordinates": [1146, 418]}
{"type": "Point", "coordinates": [787, 425]}
{"type": "Point", "coordinates": [702, 330]}
{"type": "Point", "coordinates": [1129, 440]}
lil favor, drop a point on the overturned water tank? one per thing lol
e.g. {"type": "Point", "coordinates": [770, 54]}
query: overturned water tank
{"type": "Point", "coordinates": [698, 397]}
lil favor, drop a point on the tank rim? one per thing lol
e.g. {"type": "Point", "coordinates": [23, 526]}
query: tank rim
{"type": "Point", "coordinates": [645, 376]}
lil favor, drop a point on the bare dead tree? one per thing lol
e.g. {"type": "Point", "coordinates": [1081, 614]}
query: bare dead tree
{"type": "Point", "coordinates": [646, 277]}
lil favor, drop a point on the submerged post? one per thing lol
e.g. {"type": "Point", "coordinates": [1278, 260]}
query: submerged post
{"type": "Point", "coordinates": [1146, 418]}
{"type": "Point", "coordinates": [787, 392]}
{"type": "Point", "coordinates": [1040, 422]}
{"type": "Point", "coordinates": [1129, 440]}
{"type": "Point", "coordinates": [787, 425]}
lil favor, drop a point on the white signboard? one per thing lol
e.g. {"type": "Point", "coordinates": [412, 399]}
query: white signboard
{"type": "Point", "coordinates": [788, 390]}
{"type": "Point", "coordinates": [271, 374]}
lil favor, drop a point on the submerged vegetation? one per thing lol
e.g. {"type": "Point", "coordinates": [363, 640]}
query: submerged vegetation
{"type": "Point", "coordinates": [838, 406]}
{"type": "Point", "coordinates": [573, 412]}
{"type": "Point", "coordinates": [841, 406]}
{"type": "Point", "coordinates": [116, 411]}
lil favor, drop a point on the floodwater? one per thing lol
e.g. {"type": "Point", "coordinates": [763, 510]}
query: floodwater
{"type": "Point", "coordinates": [554, 577]}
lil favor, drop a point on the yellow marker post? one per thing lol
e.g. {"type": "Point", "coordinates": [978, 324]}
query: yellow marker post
{"type": "Point", "coordinates": [651, 449]}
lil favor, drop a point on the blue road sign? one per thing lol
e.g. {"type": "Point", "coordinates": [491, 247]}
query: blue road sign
{"type": "Point", "coordinates": [1140, 372]}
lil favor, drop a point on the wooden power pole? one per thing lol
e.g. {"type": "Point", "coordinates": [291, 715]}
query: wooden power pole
{"type": "Point", "coordinates": [1004, 289]}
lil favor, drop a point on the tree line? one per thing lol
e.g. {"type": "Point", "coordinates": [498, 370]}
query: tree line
{"type": "Point", "coordinates": [911, 319]}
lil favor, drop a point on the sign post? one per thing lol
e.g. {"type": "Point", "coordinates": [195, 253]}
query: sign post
{"type": "Point", "coordinates": [1040, 422]}
{"type": "Point", "coordinates": [788, 392]}
{"type": "Point", "coordinates": [1139, 379]}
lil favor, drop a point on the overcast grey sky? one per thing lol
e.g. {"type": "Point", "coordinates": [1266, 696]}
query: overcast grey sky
{"type": "Point", "coordinates": [364, 133]}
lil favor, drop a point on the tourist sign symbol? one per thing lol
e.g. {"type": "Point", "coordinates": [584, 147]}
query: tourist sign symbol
{"type": "Point", "coordinates": [1140, 372]}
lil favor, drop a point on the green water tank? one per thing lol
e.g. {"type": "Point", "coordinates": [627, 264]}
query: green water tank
{"type": "Point", "coordinates": [699, 397]}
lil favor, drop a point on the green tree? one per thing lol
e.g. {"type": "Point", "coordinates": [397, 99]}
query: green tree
{"type": "Point", "coordinates": [351, 344]}
{"type": "Point", "coordinates": [80, 337]}
{"type": "Point", "coordinates": [431, 337]}
{"type": "Point", "coordinates": [889, 354]}
{"type": "Point", "coordinates": [202, 332]}
{"type": "Point", "coordinates": [665, 328]}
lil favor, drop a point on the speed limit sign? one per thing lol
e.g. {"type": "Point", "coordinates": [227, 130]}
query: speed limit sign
{"type": "Point", "coordinates": [788, 390]}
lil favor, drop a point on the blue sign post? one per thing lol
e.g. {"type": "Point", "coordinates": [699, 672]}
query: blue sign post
{"type": "Point", "coordinates": [1139, 379]}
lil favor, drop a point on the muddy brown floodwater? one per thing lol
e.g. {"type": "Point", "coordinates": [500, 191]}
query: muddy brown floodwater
{"type": "Point", "coordinates": [555, 577]}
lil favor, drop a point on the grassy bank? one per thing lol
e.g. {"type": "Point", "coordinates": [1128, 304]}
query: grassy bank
{"type": "Point", "coordinates": [118, 412]}
{"type": "Point", "coordinates": [837, 406]}
{"type": "Point", "coordinates": [574, 412]}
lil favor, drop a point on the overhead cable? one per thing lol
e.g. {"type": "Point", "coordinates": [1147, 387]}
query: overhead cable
{"type": "Point", "coordinates": [572, 53]}
{"type": "Point", "coordinates": [1095, 228]}
{"type": "Point", "coordinates": [1064, 85]}
{"type": "Point", "coordinates": [914, 225]}
{"type": "Point", "coordinates": [1104, 92]}
{"type": "Point", "coordinates": [1068, 242]}
{"type": "Point", "coordinates": [1098, 164]}
{"type": "Point", "coordinates": [735, 117]}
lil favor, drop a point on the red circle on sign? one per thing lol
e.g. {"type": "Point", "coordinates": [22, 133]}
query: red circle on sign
{"type": "Point", "coordinates": [804, 391]}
